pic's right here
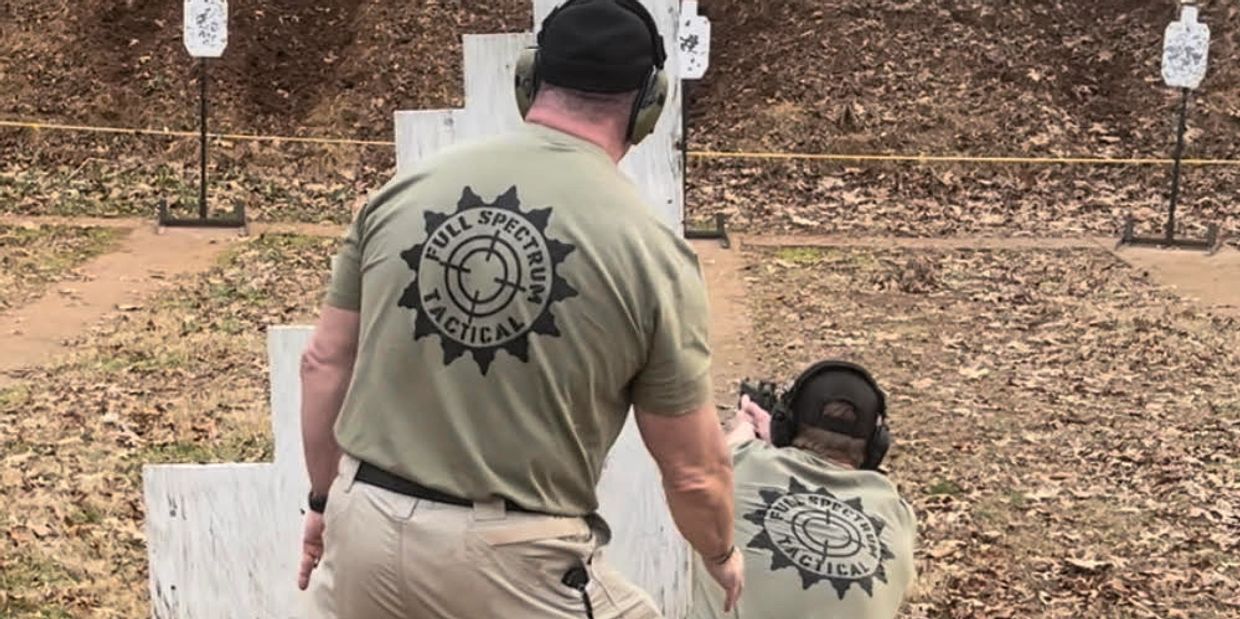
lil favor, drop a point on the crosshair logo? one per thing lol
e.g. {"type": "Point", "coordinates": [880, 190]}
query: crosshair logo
{"type": "Point", "coordinates": [487, 276]}
{"type": "Point", "coordinates": [821, 536]}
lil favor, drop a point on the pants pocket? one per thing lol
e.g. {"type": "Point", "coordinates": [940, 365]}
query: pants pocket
{"type": "Point", "coordinates": [516, 559]}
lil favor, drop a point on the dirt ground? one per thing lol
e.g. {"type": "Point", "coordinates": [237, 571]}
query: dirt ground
{"type": "Point", "coordinates": [1213, 280]}
{"type": "Point", "coordinates": [180, 377]}
{"type": "Point", "coordinates": [34, 257]}
{"type": "Point", "coordinates": [1064, 424]}
{"type": "Point", "coordinates": [1063, 420]}
{"type": "Point", "coordinates": [117, 281]}
{"type": "Point", "coordinates": [1065, 414]}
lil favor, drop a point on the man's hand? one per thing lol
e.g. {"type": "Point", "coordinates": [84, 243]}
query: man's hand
{"type": "Point", "coordinates": [311, 548]}
{"type": "Point", "coordinates": [761, 419]}
{"type": "Point", "coordinates": [730, 576]}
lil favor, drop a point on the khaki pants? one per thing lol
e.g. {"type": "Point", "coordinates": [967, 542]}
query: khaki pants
{"type": "Point", "coordinates": [391, 556]}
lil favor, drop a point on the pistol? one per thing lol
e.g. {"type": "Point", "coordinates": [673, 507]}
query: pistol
{"type": "Point", "coordinates": [763, 393]}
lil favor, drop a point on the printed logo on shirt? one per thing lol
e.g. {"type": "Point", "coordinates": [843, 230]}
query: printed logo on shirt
{"type": "Point", "coordinates": [486, 278]}
{"type": "Point", "coordinates": [823, 537]}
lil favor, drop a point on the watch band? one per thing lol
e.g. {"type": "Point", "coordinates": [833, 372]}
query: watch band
{"type": "Point", "coordinates": [723, 558]}
{"type": "Point", "coordinates": [318, 504]}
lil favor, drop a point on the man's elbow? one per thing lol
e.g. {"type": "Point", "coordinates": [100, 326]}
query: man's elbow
{"type": "Point", "coordinates": [316, 360]}
{"type": "Point", "coordinates": [710, 478]}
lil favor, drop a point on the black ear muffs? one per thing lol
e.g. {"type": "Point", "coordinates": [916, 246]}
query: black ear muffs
{"type": "Point", "coordinates": [784, 422]}
{"type": "Point", "coordinates": [651, 97]}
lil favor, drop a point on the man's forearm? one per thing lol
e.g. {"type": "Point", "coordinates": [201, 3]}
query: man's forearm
{"type": "Point", "coordinates": [703, 511]}
{"type": "Point", "coordinates": [323, 390]}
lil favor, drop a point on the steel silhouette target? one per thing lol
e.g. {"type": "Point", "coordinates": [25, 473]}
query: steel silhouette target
{"type": "Point", "coordinates": [206, 28]}
{"type": "Point", "coordinates": [1186, 50]}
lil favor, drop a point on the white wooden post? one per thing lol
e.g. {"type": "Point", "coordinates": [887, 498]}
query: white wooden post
{"type": "Point", "coordinates": [224, 539]}
{"type": "Point", "coordinates": [490, 108]}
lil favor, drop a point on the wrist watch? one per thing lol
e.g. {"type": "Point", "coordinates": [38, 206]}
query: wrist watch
{"type": "Point", "coordinates": [318, 504]}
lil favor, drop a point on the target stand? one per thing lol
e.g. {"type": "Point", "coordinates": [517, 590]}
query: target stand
{"type": "Point", "coordinates": [1186, 51]}
{"type": "Point", "coordinates": [1210, 244]}
{"type": "Point", "coordinates": [206, 37]}
{"type": "Point", "coordinates": [719, 232]}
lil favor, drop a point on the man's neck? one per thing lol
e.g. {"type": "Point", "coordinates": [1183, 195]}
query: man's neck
{"type": "Point", "coordinates": [602, 135]}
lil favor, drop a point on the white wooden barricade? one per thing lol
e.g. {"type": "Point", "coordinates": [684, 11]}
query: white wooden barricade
{"type": "Point", "coordinates": [224, 539]}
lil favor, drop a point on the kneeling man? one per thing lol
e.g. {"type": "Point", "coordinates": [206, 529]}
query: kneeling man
{"type": "Point", "coordinates": [824, 532]}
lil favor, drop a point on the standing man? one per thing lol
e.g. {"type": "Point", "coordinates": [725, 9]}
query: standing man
{"type": "Point", "coordinates": [825, 533]}
{"type": "Point", "coordinates": [492, 317]}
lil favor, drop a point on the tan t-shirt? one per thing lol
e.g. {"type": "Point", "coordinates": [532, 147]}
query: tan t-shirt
{"type": "Point", "coordinates": [820, 541]}
{"type": "Point", "coordinates": [517, 296]}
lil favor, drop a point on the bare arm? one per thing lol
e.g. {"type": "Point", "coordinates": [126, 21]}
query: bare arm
{"type": "Point", "coordinates": [697, 475]}
{"type": "Point", "coordinates": [326, 370]}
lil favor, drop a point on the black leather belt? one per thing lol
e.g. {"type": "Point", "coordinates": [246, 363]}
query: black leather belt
{"type": "Point", "coordinates": [369, 474]}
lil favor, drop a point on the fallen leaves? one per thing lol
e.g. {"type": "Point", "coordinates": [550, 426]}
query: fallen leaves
{"type": "Point", "coordinates": [182, 378]}
{"type": "Point", "coordinates": [1064, 428]}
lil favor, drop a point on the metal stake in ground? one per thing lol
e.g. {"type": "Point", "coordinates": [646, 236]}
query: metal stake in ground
{"type": "Point", "coordinates": [206, 36]}
{"type": "Point", "coordinates": [1175, 171]}
{"type": "Point", "coordinates": [202, 124]}
{"type": "Point", "coordinates": [1185, 57]}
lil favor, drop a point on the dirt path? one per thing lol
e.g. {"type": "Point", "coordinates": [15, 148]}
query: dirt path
{"type": "Point", "coordinates": [145, 261]}
{"type": "Point", "coordinates": [256, 228]}
{"type": "Point", "coordinates": [1210, 280]}
{"type": "Point", "coordinates": [730, 327]}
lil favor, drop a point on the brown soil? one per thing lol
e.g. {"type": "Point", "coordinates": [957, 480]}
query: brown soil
{"type": "Point", "coordinates": [940, 76]}
{"type": "Point", "coordinates": [1063, 425]}
{"type": "Point", "coordinates": [116, 282]}
{"type": "Point", "coordinates": [1212, 280]}
{"type": "Point", "coordinates": [731, 333]}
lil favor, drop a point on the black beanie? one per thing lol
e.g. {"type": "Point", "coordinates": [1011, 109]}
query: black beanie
{"type": "Point", "coordinates": [601, 46]}
{"type": "Point", "coordinates": [838, 386]}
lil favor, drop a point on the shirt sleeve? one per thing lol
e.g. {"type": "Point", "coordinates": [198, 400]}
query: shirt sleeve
{"type": "Point", "coordinates": [676, 377]}
{"type": "Point", "coordinates": [345, 290]}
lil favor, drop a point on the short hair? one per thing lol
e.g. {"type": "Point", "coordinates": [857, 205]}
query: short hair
{"type": "Point", "coordinates": [832, 445]}
{"type": "Point", "coordinates": [593, 106]}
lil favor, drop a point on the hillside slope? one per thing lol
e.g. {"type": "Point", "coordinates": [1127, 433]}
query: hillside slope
{"type": "Point", "coordinates": [1008, 77]}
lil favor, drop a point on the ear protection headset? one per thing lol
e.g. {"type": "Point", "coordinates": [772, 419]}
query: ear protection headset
{"type": "Point", "coordinates": [785, 422]}
{"type": "Point", "coordinates": [651, 96]}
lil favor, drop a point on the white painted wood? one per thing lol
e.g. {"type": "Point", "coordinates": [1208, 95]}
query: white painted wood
{"type": "Point", "coordinates": [205, 30]}
{"type": "Point", "coordinates": [646, 546]}
{"type": "Point", "coordinates": [1186, 50]}
{"type": "Point", "coordinates": [490, 108]}
{"type": "Point", "coordinates": [223, 539]}
{"type": "Point", "coordinates": [693, 40]}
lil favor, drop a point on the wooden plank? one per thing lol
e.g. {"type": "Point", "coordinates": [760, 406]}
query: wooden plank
{"type": "Point", "coordinates": [420, 134]}
{"type": "Point", "coordinates": [646, 547]}
{"type": "Point", "coordinates": [223, 539]}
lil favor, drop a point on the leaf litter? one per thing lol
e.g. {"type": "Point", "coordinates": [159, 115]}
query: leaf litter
{"type": "Point", "coordinates": [1064, 428]}
{"type": "Point", "coordinates": [180, 379]}
{"type": "Point", "coordinates": [33, 257]}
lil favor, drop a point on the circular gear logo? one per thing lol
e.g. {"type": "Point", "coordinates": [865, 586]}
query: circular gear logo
{"type": "Point", "coordinates": [823, 537]}
{"type": "Point", "coordinates": [486, 278]}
